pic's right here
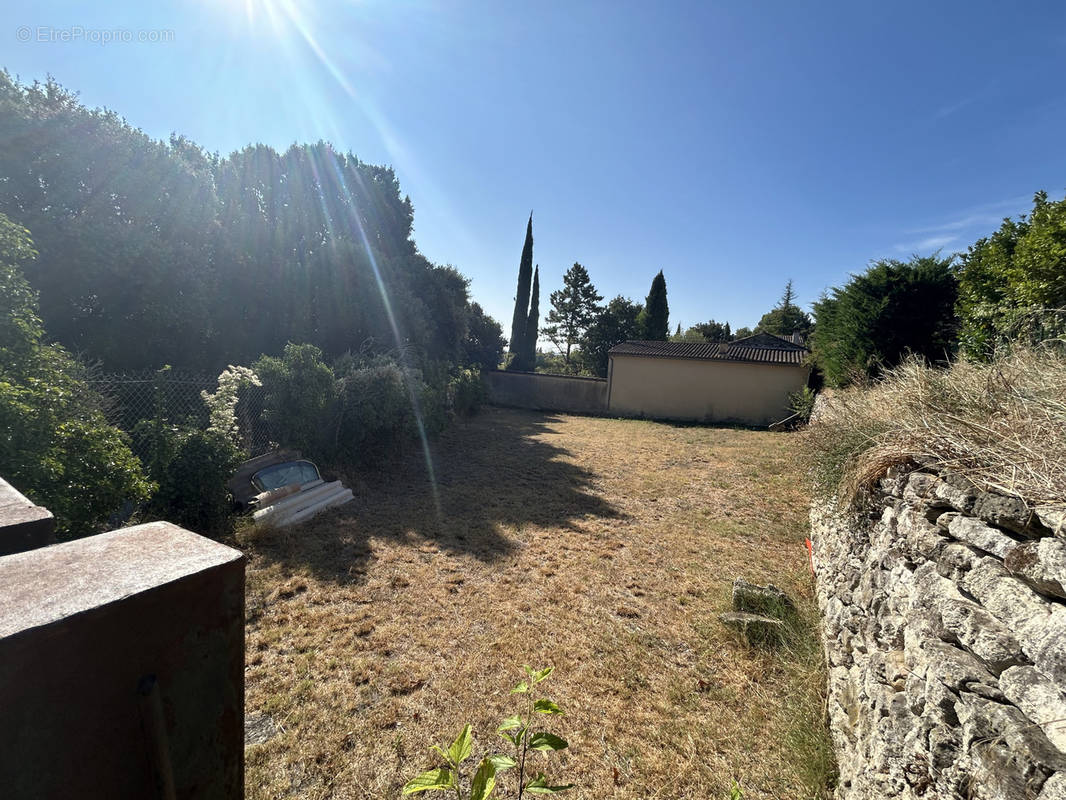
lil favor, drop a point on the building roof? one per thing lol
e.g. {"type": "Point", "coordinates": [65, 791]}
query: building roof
{"type": "Point", "coordinates": [762, 348]}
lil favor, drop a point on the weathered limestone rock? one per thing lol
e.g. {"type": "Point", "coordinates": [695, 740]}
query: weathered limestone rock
{"type": "Point", "coordinates": [1013, 755]}
{"type": "Point", "coordinates": [1046, 645]}
{"type": "Point", "coordinates": [956, 560]}
{"type": "Point", "coordinates": [956, 491]}
{"type": "Point", "coordinates": [981, 633]}
{"type": "Point", "coordinates": [1053, 518]}
{"type": "Point", "coordinates": [1005, 596]}
{"type": "Point", "coordinates": [756, 628]}
{"type": "Point", "coordinates": [976, 533]}
{"type": "Point", "coordinates": [893, 482]}
{"type": "Point", "coordinates": [1040, 699]}
{"type": "Point", "coordinates": [258, 729]}
{"type": "Point", "coordinates": [919, 486]}
{"type": "Point", "coordinates": [955, 668]}
{"type": "Point", "coordinates": [1010, 513]}
{"type": "Point", "coordinates": [923, 538]}
{"type": "Point", "coordinates": [1039, 624]}
{"type": "Point", "coordinates": [1054, 787]}
{"type": "Point", "coordinates": [767, 600]}
{"type": "Point", "coordinates": [1041, 564]}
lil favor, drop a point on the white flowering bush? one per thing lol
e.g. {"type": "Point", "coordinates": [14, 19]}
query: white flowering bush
{"type": "Point", "coordinates": [222, 405]}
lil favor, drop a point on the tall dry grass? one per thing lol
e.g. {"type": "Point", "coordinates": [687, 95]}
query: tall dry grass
{"type": "Point", "coordinates": [1002, 424]}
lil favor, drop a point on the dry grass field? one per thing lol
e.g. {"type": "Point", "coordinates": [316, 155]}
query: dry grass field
{"type": "Point", "coordinates": [603, 547]}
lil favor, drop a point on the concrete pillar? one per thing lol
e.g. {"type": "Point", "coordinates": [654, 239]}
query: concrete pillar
{"type": "Point", "coordinates": [122, 668]}
{"type": "Point", "coordinates": [23, 526]}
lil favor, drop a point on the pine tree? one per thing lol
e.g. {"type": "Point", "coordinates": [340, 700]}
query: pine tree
{"type": "Point", "coordinates": [574, 308]}
{"type": "Point", "coordinates": [786, 317]}
{"type": "Point", "coordinates": [616, 323]}
{"type": "Point", "coordinates": [520, 320]}
{"type": "Point", "coordinates": [529, 353]}
{"type": "Point", "coordinates": [655, 318]}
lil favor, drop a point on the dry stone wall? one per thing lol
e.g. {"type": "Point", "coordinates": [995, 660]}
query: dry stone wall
{"type": "Point", "coordinates": [944, 623]}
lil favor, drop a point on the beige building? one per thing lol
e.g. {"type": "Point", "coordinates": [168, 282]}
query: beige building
{"type": "Point", "coordinates": [746, 381]}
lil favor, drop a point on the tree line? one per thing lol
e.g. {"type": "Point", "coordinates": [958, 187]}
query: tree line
{"type": "Point", "coordinates": [152, 253]}
{"type": "Point", "coordinates": [577, 325]}
{"type": "Point", "coordinates": [583, 330]}
{"type": "Point", "coordinates": [1007, 285]}
{"type": "Point", "coordinates": [125, 253]}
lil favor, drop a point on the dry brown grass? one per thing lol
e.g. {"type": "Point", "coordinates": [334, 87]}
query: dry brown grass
{"type": "Point", "coordinates": [603, 547]}
{"type": "Point", "coordinates": [1002, 424]}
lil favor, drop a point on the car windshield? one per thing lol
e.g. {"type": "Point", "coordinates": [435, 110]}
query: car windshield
{"type": "Point", "coordinates": [278, 475]}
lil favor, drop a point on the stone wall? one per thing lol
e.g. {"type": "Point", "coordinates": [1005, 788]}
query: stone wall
{"type": "Point", "coordinates": [544, 392]}
{"type": "Point", "coordinates": [944, 622]}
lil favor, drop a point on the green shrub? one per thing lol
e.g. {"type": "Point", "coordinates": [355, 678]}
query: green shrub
{"type": "Point", "coordinates": [222, 403]}
{"type": "Point", "coordinates": [190, 468]}
{"type": "Point", "coordinates": [373, 416]}
{"type": "Point", "coordinates": [1006, 279]}
{"type": "Point", "coordinates": [192, 489]}
{"type": "Point", "coordinates": [300, 390]}
{"type": "Point", "coordinates": [365, 409]}
{"type": "Point", "coordinates": [56, 444]}
{"type": "Point", "coordinates": [484, 343]}
{"type": "Point", "coordinates": [880, 317]}
{"type": "Point", "coordinates": [432, 387]}
{"type": "Point", "coordinates": [60, 451]}
{"type": "Point", "coordinates": [801, 403]}
{"type": "Point", "coordinates": [467, 392]}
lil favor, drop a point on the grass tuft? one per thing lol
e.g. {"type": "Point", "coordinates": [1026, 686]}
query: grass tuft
{"type": "Point", "coordinates": [1001, 424]}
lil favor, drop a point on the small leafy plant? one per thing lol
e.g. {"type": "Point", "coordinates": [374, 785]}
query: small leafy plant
{"type": "Point", "coordinates": [516, 729]}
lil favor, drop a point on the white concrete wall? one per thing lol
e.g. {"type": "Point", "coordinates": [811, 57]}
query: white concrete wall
{"type": "Point", "coordinates": [706, 391]}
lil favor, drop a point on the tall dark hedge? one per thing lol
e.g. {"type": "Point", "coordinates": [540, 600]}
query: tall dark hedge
{"type": "Point", "coordinates": [155, 253]}
{"type": "Point", "coordinates": [877, 318]}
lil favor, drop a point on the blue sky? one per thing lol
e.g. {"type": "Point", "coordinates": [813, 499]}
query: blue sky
{"type": "Point", "coordinates": [732, 144]}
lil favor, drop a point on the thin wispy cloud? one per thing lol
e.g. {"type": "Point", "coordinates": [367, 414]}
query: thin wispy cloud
{"type": "Point", "coordinates": [989, 214]}
{"type": "Point", "coordinates": [954, 106]}
{"type": "Point", "coordinates": [961, 228]}
{"type": "Point", "coordinates": [927, 244]}
{"type": "Point", "coordinates": [948, 110]}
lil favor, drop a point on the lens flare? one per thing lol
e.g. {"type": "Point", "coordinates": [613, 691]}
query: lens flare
{"type": "Point", "coordinates": [285, 18]}
{"type": "Point", "coordinates": [401, 350]}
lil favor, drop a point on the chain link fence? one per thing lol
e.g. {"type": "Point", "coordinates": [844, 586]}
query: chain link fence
{"type": "Point", "coordinates": [176, 396]}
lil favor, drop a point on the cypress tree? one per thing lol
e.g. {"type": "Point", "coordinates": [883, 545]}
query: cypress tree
{"type": "Point", "coordinates": [656, 322]}
{"type": "Point", "coordinates": [520, 320]}
{"type": "Point", "coordinates": [529, 353]}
